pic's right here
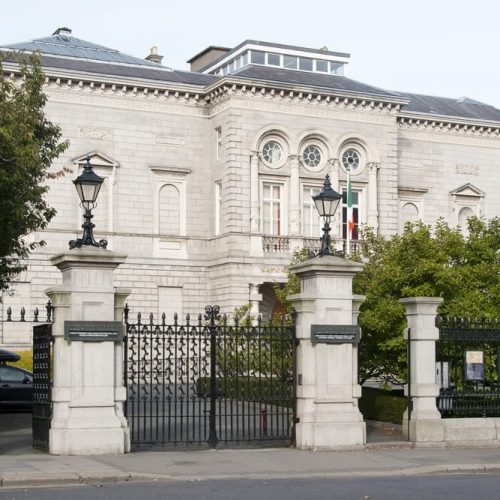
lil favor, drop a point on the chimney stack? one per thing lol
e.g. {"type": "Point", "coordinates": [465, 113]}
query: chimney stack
{"type": "Point", "coordinates": [154, 56]}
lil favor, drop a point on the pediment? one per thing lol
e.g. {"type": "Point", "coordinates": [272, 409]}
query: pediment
{"type": "Point", "coordinates": [97, 159]}
{"type": "Point", "coordinates": [468, 190]}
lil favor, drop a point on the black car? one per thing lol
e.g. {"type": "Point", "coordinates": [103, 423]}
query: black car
{"type": "Point", "coordinates": [16, 384]}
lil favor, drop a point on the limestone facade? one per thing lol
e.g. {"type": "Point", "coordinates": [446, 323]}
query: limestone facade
{"type": "Point", "coordinates": [186, 179]}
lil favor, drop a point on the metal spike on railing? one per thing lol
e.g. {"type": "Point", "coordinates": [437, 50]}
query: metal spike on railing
{"type": "Point", "coordinates": [9, 313]}
{"type": "Point", "coordinates": [139, 316]}
{"type": "Point", "coordinates": [259, 319]}
{"type": "Point", "coordinates": [224, 319]}
{"type": "Point", "coordinates": [188, 317]}
{"type": "Point", "coordinates": [200, 317]}
{"type": "Point", "coordinates": [35, 315]}
{"type": "Point", "coordinates": [151, 318]}
{"type": "Point", "coordinates": [126, 310]}
{"type": "Point", "coordinates": [23, 314]}
{"type": "Point", "coordinates": [175, 318]}
{"type": "Point", "coordinates": [163, 319]}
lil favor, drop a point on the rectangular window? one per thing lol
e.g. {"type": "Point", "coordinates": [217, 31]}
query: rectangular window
{"type": "Point", "coordinates": [218, 143]}
{"type": "Point", "coordinates": [237, 63]}
{"type": "Point", "coordinates": [290, 62]}
{"type": "Point", "coordinates": [258, 57]}
{"type": "Point", "coordinates": [321, 66]}
{"type": "Point", "coordinates": [244, 59]}
{"type": "Point", "coordinates": [311, 221]}
{"type": "Point", "coordinates": [355, 213]}
{"type": "Point", "coordinates": [218, 207]}
{"type": "Point", "coordinates": [273, 59]}
{"type": "Point", "coordinates": [305, 64]}
{"type": "Point", "coordinates": [271, 208]}
{"type": "Point", "coordinates": [336, 68]}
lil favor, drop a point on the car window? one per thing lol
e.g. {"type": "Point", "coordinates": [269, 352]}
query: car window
{"type": "Point", "coordinates": [9, 374]}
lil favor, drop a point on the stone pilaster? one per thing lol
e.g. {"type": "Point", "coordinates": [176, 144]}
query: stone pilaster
{"type": "Point", "coordinates": [372, 212]}
{"type": "Point", "coordinates": [422, 334]}
{"type": "Point", "coordinates": [327, 390]}
{"type": "Point", "coordinates": [88, 391]}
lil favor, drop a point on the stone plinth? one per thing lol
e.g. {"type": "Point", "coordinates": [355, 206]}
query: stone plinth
{"type": "Point", "coordinates": [422, 424]}
{"type": "Point", "coordinates": [328, 392]}
{"type": "Point", "coordinates": [88, 391]}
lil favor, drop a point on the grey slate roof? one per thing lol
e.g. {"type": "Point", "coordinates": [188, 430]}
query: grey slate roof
{"type": "Point", "coordinates": [70, 53]}
{"type": "Point", "coordinates": [444, 106]}
{"type": "Point", "coordinates": [154, 72]}
{"type": "Point", "coordinates": [308, 79]}
{"type": "Point", "coordinates": [69, 46]}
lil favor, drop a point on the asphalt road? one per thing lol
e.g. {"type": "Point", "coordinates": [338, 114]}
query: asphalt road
{"type": "Point", "coordinates": [456, 487]}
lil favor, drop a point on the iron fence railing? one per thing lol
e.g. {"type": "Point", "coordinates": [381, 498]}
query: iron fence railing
{"type": "Point", "coordinates": [468, 364]}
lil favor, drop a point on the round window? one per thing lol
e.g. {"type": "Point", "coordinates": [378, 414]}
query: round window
{"type": "Point", "coordinates": [351, 159]}
{"type": "Point", "coordinates": [272, 152]}
{"type": "Point", "coordinates": [312, 155]}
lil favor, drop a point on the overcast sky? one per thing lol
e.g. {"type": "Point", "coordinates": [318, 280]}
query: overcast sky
{"type": "Point", "coordinates": [436, 47]}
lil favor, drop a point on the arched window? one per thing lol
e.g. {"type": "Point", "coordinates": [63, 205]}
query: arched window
{"type": "Point", "coordinates": [169, 210]}
{"type": "Point", "coordinates": [409, 213]}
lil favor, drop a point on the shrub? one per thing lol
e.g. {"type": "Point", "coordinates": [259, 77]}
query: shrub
{"type": "Point", "coordinates": [382, 405]}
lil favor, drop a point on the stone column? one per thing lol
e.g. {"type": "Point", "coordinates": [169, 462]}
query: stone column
{"type": "Point", "coordinates": [327, 390]}
{"type": "Point", "coordinates": [372, 212]}
{"type": "Point", "coordinates": [254, 192]}
{"type": "Point", "coordinates": [424, 420]}
{"type": "Point", "coordinates": [254, 298]}
{"type": "Point", "coordinates": [88, 391]}
{"type": "Point", "coordinates": [294, 196]}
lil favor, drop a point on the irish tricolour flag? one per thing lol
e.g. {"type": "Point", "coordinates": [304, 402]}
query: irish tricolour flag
{"type": "Point", "coordinates": [350, 213]}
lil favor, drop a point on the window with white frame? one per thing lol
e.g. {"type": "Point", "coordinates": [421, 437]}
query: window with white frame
{"type": "Point", "coordinates": [218, 207]}
{"type": "Point", "coordinates": [218, 143]}
{"type": "Point", "coordinates": [355, 213]}
{"type": "Point", "coordinates": [272, 208]}
{"type": "Point", "coordinates": [311, 223]}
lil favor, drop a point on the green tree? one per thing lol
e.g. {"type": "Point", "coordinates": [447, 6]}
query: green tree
{"type": "Point", "coordinates": [437, 261]}
{"type": "Point", "coordinates": [423, 261]}
{"type": "Point", "coordinates": [28, 145]}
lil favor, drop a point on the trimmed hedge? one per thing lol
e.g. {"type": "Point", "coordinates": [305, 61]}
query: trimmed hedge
{"type": "Point", "coordinates": [248, 389]}
{"type": "Point", "coordinates": [382, 405]}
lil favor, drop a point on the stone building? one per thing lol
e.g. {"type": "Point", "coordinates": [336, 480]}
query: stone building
{"type": "Point", "coordinates": [209, 173]}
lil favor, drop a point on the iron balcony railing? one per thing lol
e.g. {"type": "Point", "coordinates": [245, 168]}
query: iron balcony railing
{"type": "Point", "coordinates": [281, 244]}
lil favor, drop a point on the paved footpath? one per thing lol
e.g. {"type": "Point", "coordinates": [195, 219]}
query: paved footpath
{"type": "Point", "coordinates": [38, 469]}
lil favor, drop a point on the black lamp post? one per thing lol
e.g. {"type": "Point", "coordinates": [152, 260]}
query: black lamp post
{"type": "Point", "coordinates": [326, 201]}
{"type": "Point", "coordinates": [88, 184]}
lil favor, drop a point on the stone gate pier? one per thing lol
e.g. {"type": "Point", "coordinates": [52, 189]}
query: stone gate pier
{"type": "Point", "coordinates": [87, 391]}
{"type": "Point", "coordinates": [328, 416]}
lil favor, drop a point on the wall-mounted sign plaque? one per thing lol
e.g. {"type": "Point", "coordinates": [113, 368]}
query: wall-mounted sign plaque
{"type": "Point", "coordinates": [335, 334]}
{"type": "Point", "coordinates": [93, 331]}
{"type": "Point", "coordinates": [474, 366]}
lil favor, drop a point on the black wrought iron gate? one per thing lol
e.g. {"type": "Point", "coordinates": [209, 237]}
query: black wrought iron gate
{"type": "Point", "coordinates": [42, 386]}
{"type": "Point", "coordinates": [209, 381]}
